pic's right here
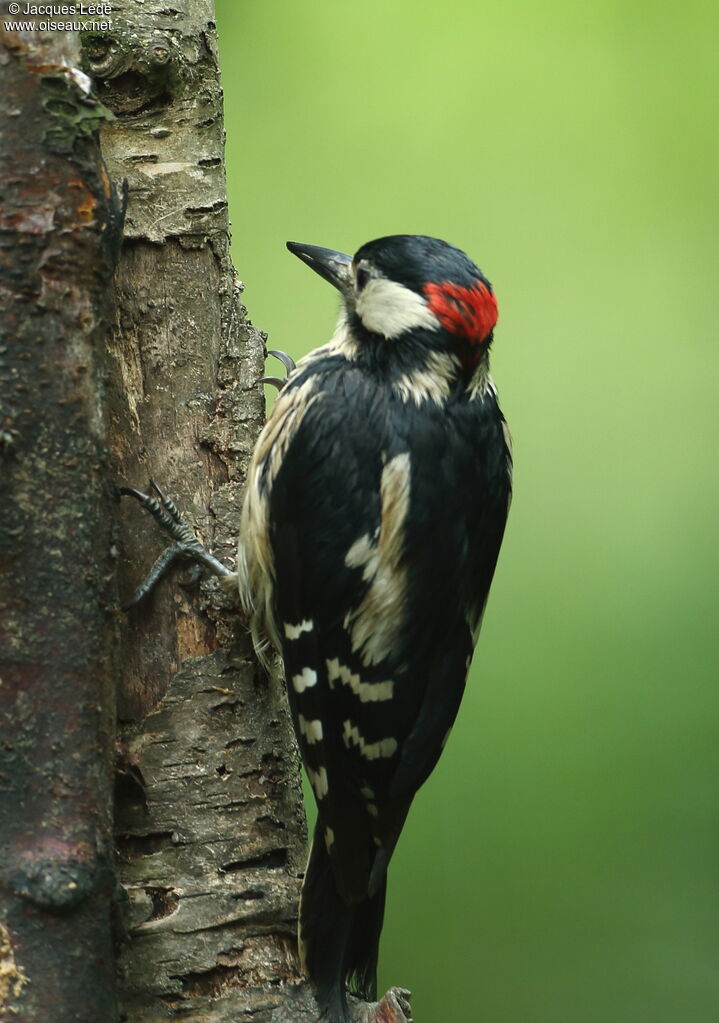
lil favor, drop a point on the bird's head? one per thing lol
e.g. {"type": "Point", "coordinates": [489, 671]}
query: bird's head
{"type": "Point", "coordinates": [411, 287]}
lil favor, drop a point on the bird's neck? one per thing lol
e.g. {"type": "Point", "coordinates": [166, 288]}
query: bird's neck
{"type": "Point", "coordinates": [424, 366]}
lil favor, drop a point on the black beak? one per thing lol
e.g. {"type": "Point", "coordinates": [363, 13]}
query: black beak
{"type": "Point", "coordinates": [333, 266]}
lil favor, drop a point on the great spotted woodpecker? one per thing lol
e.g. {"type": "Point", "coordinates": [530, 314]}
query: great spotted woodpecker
{"type": "Point", "coordinates": [375, 507]}
{"type": "Point", "coordinates": [376, 503]}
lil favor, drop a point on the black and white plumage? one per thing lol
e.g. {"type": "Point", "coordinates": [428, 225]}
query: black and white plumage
{"type": "Point", "coordinates": [376, 504]}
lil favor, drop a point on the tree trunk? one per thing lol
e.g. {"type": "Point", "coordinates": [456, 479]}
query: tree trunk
{"type": "Point", "coordinates": [209, 819]}
{"type": "Point", "coordinates": [58, 231]}
{"type": "Point", "coordinates": [209, 825]}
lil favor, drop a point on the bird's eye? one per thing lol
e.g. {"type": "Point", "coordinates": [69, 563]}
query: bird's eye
{"type": "Point", "coordinates": [362, 277]}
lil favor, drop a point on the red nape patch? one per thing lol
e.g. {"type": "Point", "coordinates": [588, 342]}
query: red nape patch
{"type": "Point", "coordinates": [470, 313]}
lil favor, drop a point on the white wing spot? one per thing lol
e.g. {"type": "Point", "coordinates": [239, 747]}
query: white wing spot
{"type": "Point", "coordinates": [374, 624]}
{"type": "Point", "coordinates": [295, 631]}
{"type": "Point", "coordinates": [312, 730]}
{"type": "Point", "coordinates": [372, 810]}
{"type": "Point", "coordinates": [370, 750]}
{"type": "Point", "coordinates": [362, 553]}
{"type": "Point", "coordinates": [368, 692]}
{"type": "Point", "coordinates": [306, 678]}
{"type": "Point", "coordinates": [319, 781]}
{"type": "Point", "coordinates": [329, 838]}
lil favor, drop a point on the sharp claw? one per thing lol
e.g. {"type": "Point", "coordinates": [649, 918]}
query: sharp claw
{"type": "Point", "coordinates": [156, 488]}
{"type": "Point", "coordinates": [131, 492]}
{"type": "Point", "coordinates": [287, 361]}
{"type": "Point", "coordinates": [169, 505]}
{"type": "Point", "coordinates": [157, 571]}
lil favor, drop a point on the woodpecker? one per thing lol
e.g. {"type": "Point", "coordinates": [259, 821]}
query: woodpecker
{"type": "Point", "coordinates": [376, 503]}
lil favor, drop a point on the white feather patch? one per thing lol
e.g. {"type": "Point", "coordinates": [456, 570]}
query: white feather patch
{"type": "Point", "coordinates": [312, 730]}
{"type": "Point", "coordinates": [318, 781]}
{"type": "Point", "coordinates": [255, 557]}
{"type": "Point", "coordinates": [368, 692]}
{"type": "Point", "coordinates": [481, 383]}
{"type": "Point", "coordinates": [295, 631]}
{"type": "Point", "coordinates": [430, 382]}
{"type": "Point", "coordinates": [388, 308]}
{"type": "Point", "coordinates": [306, 679]}
{"type": "Point", "coordinates": [375, 623]}
{"type": "Point", "coordinates": [370, 750]}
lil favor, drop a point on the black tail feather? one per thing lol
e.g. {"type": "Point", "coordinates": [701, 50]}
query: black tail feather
{"type": "Point", "coordinates": [363, 946]}
{"type": "Point", "coordinates": [325, 923]}
{"type": "Point", "coordinates": [339, 944]}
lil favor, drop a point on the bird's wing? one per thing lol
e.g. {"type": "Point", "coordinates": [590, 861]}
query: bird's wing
{"type": "Point", "coordinates": [324, 502]}
{"type": "Point", "coordinates": [373, 627]}
{"type": "Point", "coordinates": [468, 493]}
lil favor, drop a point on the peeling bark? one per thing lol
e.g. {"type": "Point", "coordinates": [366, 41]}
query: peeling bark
{"type": "Point", "coordinates": [58, 233]}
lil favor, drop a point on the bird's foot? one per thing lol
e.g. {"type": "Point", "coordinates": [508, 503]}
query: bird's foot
{"type": "Point", "coordinates": [186, 545]}
{"type": "Point", "coordinates": [287, 362]}
{"type": "Point", "coordinates": [393, 1008]}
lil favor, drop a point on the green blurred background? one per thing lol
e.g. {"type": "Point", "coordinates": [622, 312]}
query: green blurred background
{"type": "Point", "coordinates": [561, 865]}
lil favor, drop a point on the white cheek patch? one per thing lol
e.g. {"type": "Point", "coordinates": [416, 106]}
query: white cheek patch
{"type": "Point", "coordinates": [388, 308]}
